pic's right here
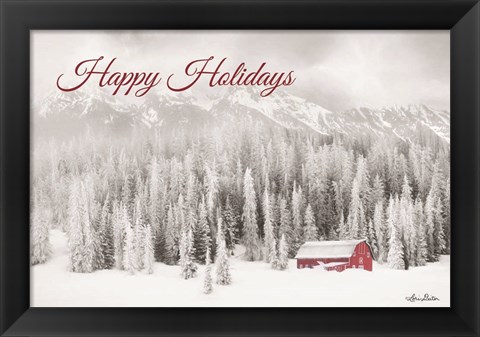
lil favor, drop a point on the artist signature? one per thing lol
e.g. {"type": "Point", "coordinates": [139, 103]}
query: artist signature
{"type": "Point", "coordinates": [424, 298]}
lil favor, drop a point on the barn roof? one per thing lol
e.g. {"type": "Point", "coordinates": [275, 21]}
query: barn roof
{"type": "Point", "coordinates": [331, 264]}
{"type": "Point", "coordinates": [327, 249]}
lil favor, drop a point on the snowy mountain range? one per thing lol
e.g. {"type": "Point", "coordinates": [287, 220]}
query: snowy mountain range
{"type": "Point", "coordinates": [61, 111]}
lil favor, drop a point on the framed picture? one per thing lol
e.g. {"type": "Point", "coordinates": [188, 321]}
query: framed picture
{"type": "Point", "coordinates": [238, 168]}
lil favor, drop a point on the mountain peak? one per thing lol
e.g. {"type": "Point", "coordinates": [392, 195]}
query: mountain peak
{"type": "Point", "coordinates": [171, 110]}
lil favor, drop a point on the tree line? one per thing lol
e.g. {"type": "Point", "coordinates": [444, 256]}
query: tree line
{"type": "Point", "coordinates": [190, 199]}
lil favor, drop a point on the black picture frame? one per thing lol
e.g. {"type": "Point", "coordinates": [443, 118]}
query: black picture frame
{"type": "Point", "coordinates": [18, 17]}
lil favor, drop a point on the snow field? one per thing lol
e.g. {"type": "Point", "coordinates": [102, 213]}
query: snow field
{"type": "Point", "coordinates": [254, 284]}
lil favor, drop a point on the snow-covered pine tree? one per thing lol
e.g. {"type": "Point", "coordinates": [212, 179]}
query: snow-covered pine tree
{"type": "Point", "coordinates": [283, 254]}
{"type": "Point", "coordinates": [310, 232]}
{"type": "Point", "coordinates": [171, 238]}
{"type": "Point", "coordinates": [99, 259]}
{"type": "Point", "coordinates": [251, 240]}
{"type": "Point", "coordinates": [406, 190]}
{"type": "Point", "coordinates": [318, 195]}
{"type": "Point", "coordinates": [286, 227]}
{"type": "Point", "coordinates": [396, 171]}
{"type": "Point", "coordinates": [180, 224]}
{"type": "Point", "coordinates": [139, 229]}
{"type": "Point", "coordinates": [430, 226]}
{"type": "Point", "coordinates": [40, 247]}
{"type": "Point", "coordinates": [98, 235]}
{"type": "Point", "coordinates": [297, 219]}
{"type": "Point", "coordinates": [421, 244]}
{"type": "Point", "coordinates": [403, 230]}
{"type": "Point", "coordinates": [377, 194]}
{"type": "Point", "coordinates": [230, 226]}
{"type": "Point", "coordinates": [129, 258]}
{"type": "Point", "coordinates": [159, 241]}
{"type": "Point", "coordinates": [222, 265]}
{"type": "Point", "coordinates": [437, 210]}
{"type": "Point", "coordinates": [342, 227]}
{"type": "Point", "coordinates": [379, 225]}
{"type": "Point", "coordinates": [407, 229]}
{"type": "Point", "coordinates": [183, 251]}
{"type": "Point", "coordinates": [347, 178]}
{"type": "Point", "coordinates": [118, 234]}
{"type": "Point", "coordinates": [362, 222]}
{"type": "Point", "coordinates": [425, 172]}
{"type": "Point", "coordinates": [128, 194]}
{"type": "Point", "coordinates": [211, 185]}
{"type": "Point", "coordinates": [207, 283]}
{"type": "Point", "coordinates": [202, 240]}
{"type": "Point", "coordinates": [82, 235]}
{"type": "Point", "coordinates": [372, 238]}
{"type": "Point", "coordinates": [59, 190]}
{"type": "Point", "coordinates": [359, 204]}
{"type": "Point", "coordinates": [411, 235]}
{"type": "Point", "coordinates": [191, 204]}
{"type": "Point", "coordinates": [154, 200]}
{"type": "Point", "coordinates": [438, 234]}
{"type": "Point", "coordinates": [447, 218]}
{"type": "Point", "coordinates": [437, 178]}
{"type": "Point", "coordinates": [76, 215]}
{"type": "Point", "coordinates": [268, 224]}
{"type": "Point", "coordinates": [239, 183]}
{"type": "Point", "coordinates": [89, 247]}
{"type": "Point", "coordinates": [187, 265]}
{"type": "Point", "coordinates": [363, 178]}
{"type": "Point", "coordinates": [106, 237]}
{"type": "Point", "coordinates": [273, 254]}
{"type": "Point", "coordinates": [330, 218]}
{"type": "Point", "coordinates": [156, 208]}
{"type": "Point", "coordinates": [395, 252]}
{"type": "Point", "coordinates": [356, 228]}
{"type": "Point", "coordinates": [177, 180]}
{"type": "Point", "coordinates": [340, 218]}
{"type": "Point", "coordinates": [148, 256]}
{"type": "Point", "coordinates": [414, 163]}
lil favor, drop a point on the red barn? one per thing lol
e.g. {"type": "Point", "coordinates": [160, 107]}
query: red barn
{"type": "Point", "coordinates": [335, 255]}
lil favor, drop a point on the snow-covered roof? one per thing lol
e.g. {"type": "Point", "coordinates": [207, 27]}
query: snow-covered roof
{"type": "Point", "coordinates": [329, 265]}
{"type": "Point", "coordinates": [333, 264]}
{"type": "Point", "coordinates": [327, 249]}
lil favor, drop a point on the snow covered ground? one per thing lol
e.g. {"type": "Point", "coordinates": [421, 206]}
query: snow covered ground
{"type": "Point", "coordinates": [255, 284]}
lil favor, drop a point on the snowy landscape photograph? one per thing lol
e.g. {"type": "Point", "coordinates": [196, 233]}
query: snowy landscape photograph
{"type": "Point", "coordinates": [240, 169]}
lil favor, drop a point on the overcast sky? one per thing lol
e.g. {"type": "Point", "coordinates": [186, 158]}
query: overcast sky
{"type": "Point", "coordinates": [336, 69]}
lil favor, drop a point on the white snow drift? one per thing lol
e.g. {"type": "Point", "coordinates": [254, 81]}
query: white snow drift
{"type": "Point", "coordinates": [254, 284]}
